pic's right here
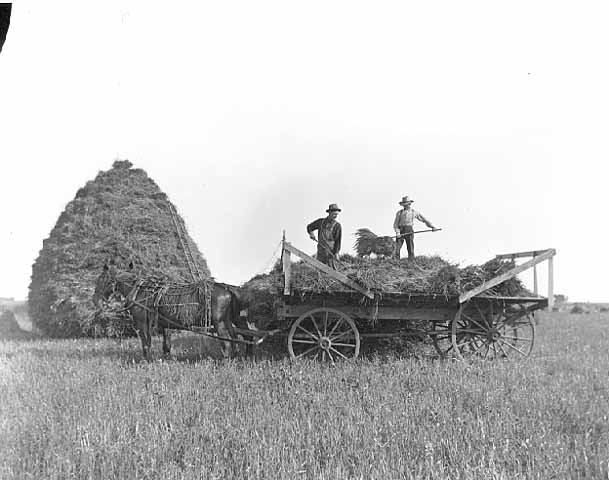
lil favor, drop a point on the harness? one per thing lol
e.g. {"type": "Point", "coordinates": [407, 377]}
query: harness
{"type": "Point", "coordinates": [156, 295]}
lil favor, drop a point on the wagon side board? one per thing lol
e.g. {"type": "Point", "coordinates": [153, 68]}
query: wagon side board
{"type": "Point", "coordinates": [361, 313]}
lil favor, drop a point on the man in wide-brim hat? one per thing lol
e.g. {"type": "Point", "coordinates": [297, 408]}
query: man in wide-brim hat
{"type": "Point", "coordinates": [329, 233]}
{"type": "Point", "coordinates": [404, 226]}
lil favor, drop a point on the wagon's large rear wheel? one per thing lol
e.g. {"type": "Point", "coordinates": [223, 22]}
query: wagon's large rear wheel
{"type": "Point", "coordinates": [324, 334]}
{"type": "Point", "coordinates": [488, 331]}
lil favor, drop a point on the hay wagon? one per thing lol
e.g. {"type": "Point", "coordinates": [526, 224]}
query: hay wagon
{"type": "Point", "coordinates": [329, 326]}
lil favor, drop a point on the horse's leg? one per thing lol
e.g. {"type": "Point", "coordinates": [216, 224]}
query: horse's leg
{"type": "Point", "coordinates": [250, 351]}
{"type": "Point", "coordinates": [226, 347]}
{"type": "Point", "coordinates": [139, 318]}
{"type": "Point", "coordinates": [148, 342]}
{"type": "Point", "coordinates": [145, 346]}
{"type": "Point", "coordinates": [142, 337]}
{"type": "Point", "coordinates": [145, 339]}
{"type": "Point", "coordinates": [150, 325]}
{"type": "Point", "coordinates": [166, 341]}
{"type": "Point", "coordinates": [145, 333]}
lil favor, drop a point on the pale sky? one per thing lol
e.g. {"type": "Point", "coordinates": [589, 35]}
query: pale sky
{"type": "Point", "coordinates": [254, 116]}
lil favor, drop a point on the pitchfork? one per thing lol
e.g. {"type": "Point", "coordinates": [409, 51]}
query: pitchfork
{"type": "Point", "coordinates": [418, 231]}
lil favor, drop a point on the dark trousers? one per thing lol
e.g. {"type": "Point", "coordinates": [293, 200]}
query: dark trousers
{"type": "Point", "coordinates": [324, 255]}
{"type": "Point", "coordinates": [409, 239]}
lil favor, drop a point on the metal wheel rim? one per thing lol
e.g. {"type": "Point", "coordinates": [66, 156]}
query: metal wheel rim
{"type": "Point", "coordinates": [442, 338]}
{"type": "Point", "coordinates": [324, 334]}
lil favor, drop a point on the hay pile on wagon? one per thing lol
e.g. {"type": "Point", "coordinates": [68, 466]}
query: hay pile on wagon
{"type": "Point", "coordinates": [425, 275]}
{"type": "Point", "coordinates": [120, 216]}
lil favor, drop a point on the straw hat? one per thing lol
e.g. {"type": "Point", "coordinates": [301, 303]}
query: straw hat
{"type": "Point", "coordinates": [406, 200]}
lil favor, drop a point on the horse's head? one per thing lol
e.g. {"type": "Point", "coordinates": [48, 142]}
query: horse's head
{"type": "Point", "coordinates": [105, 285]}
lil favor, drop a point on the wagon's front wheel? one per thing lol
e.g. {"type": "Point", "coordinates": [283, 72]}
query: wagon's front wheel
{"type": "Point", "coordinates": [324, 334]}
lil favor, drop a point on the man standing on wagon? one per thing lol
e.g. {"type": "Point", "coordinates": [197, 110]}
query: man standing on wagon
{"type": "Point", "coordinates": [330, 233]}
{"type": "Point", "coordinates": [403, 226]}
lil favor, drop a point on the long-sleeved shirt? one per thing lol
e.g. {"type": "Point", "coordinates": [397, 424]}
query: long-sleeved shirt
{"type": "Point", "coordinates": [406, 218]}
{"type": "Point", "coordinates": [330, 233]}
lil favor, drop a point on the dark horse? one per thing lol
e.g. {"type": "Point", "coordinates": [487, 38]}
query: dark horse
{"type": "Point", "coordinates": [154, 304]}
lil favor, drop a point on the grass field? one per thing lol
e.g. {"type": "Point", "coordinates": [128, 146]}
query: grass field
{"type": "Point", "coordinates": [93, 409]}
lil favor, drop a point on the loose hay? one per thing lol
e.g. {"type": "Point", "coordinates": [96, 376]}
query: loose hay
{"type": "Point", "coordinates": [367, 243]}
{"type": "Point", "coordinates": [424, 275]}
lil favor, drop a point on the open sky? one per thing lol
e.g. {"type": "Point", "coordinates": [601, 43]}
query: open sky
{"type": "Point", "coordinates": [254, 116]}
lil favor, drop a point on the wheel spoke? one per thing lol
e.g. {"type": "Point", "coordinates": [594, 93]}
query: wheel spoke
{"type": "Point", "coordinates": [459, 345]}
{"type": "Point", "coordinates": [307, 351]}
{"type": "Point", "coordinates": [326, 323]}
{"type": "Point", "coordinates": [308, 333]}
{"type": "Point", "coordinates": [513, 347]}
{"type": "Point", "coordinates": [520, 323]}
{"type": "Point", "coordinates": [344, 344]}
{"type": "Point", "coordinates": [484, 329]}
{"type": "Point", "coordinates": [323, 355]}
{"type": "Point", "coordinates": [503, 349]}
{"type": "Point", "coordinates": [298, 340]}
{"type": "Point", "coordinates": [335, 326]}
{"type": "Point", "coordinates": [336, 351]}
{"type": "Point", "coordinates": [331, 357]}
{"type": "Point", "coordinates": [467, 330]}
{"type": "Point", "coordinates": [341, 335]}
{"type": "Point", "coordinates": [524, 339]}
{"type": "Point", "coordinates": [315, 324]}
{"type": "Point", "coordinates": [482, 314]}
{"type": "Point", "coordinates": [478, 347]}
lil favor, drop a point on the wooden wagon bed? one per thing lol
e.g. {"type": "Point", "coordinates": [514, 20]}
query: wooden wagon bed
{"type": "Point", "coordinates": [329, 325]}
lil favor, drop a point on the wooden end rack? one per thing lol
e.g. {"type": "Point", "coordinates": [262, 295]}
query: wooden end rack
{"type": "Point", "coordinates": [287, 269]}
{"type": "Point", "coordinates": [538, 257]}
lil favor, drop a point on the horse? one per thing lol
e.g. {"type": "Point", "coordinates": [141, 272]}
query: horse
{"type": "Point", "coordinates": [368, 242]}
{"type": "Point", "coordinates": [155, 304]}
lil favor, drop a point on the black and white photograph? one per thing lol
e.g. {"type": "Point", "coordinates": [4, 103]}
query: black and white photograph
{"type": "Point", "coordinates": [304, 240]}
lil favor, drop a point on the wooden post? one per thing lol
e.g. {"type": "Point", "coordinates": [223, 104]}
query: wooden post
{"type": "Point", "coordinates": [535, 289]}
{"type": "Point", "coordinates": [287, 267]}
{"type": "Point", "coordinates": [550, 283]}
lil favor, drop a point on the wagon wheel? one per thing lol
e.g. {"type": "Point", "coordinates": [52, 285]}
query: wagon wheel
{"type": "Point", "coordinates": [483, 330]}
{"type": "Point", "coordinates": [324, 334]}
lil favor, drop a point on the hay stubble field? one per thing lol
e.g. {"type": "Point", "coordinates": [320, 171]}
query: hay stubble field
{"type": "Point", "coordinates": [94, 409]}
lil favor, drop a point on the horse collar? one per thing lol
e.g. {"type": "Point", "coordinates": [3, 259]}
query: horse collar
{"type": "Point", "coordinates": [132, 295]}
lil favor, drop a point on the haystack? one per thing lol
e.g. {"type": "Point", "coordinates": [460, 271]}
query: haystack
{"type": "Point", "coordinates": [120, 216]}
